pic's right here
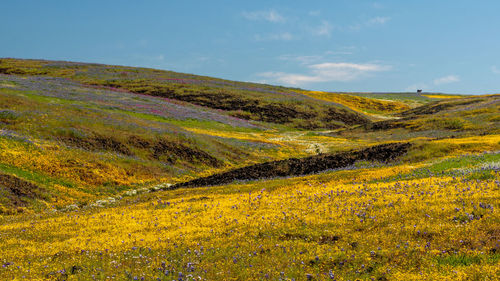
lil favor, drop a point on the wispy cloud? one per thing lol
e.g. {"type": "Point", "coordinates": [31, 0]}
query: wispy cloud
{"type": "Point", "coordinates": [495, 70]}
{"type": "Point", "coordinates": [324, 29]}
{"type": "Point", "coordinates": [300, 59]}
{"type": "Point", "coordinates": [314, 13]}
{"type": "Point", "coordinates": [446, 80]}
{"type": "Point", "coordinates": [326, 72]}
{"type": "Point", "coordinates": [370, 23]}
{"type": "Point", "coordinates": [436, 82]}
{"type": "Point", "coordinates": [330, 55]}
{"type": "Point", "coordinates": [378, 20]}
{"type": "Point", "coordinates": [283, 36]}
{"type": "Point", "coordinates": [270, 16]}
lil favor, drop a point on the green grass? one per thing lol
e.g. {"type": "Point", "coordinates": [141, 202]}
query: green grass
{"type": "Point", "coordinates": [470, 165]}
{"type": "Point", "coordinates": [249, 101]}
{"type": "Point", "coordinates": [467, 260]}
{"type": "Point", "coordinates": [35, 177]}
{"type": "Point", "coordinates": [186, 123]}
{"type": "Point", "coordinates": [464, 162]}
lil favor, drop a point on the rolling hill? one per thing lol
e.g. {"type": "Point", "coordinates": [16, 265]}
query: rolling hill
{"type": "Point", "coordinates": [116, 172]}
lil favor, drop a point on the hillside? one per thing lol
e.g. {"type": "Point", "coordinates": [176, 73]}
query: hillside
{"type": "Point", "coordinates": [243, 100]}
{"type": "Point", "coordinates": [115, 172]}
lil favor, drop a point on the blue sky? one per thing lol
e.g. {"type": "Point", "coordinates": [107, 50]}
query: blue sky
{"type": "Point", "coordinates": [448, 46]}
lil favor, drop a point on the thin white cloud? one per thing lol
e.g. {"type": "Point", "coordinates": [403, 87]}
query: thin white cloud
{"type": "Point", "coordinates": [314, 13]}
{"type": "Point", "coordinates": [495, 70]}
{"type": "Point", "coordinates": [283, 36]}
{"type": "Point", "coordinates": [300, 59]}
{"type": "Point", "coordinates": [312, 59]}
{"type": "Point", "coordinates": [446, 80]}
{"type": "Point", "coordinates": [324, 29]}
{"type": "Point", "coordinates": [378, 20]}
{"type": "Point", "coordinates": [344, 51]}
{"type": "Point", "coordinates": [370, 23]}
{"type": "Point", "coordinates": [326, 72]}
{"type": "Point", "coordinates": [270, 16]}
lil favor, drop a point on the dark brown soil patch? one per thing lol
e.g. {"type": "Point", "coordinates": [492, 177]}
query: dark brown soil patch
{"type": "Point", "coordinates": [19, 190]}
{"type": "Point", "coordinates": [171, 151]}
{"type": "Point", "coordinates": [95, 143]}
{"type": "Point", "coordinates": [159, 149]}
{"type": "Point", "coordinates": [139, 142]}
{"type": "Point", "coordinates": [385, 125]}
{"type": "Point", "coordinates": [303, 166]}
{"type": "Point", "coordinates": [345, 116]}
{"type": "Point", "coordinates": [244, 107]}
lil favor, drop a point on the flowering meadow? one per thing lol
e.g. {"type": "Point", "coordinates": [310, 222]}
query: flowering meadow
{"type": "Point", "coordinates": [320, 227]}
{"type": "Point", "coordinates": [93, 159]}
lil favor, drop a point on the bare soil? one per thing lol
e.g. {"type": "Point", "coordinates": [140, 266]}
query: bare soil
{"type": "Point", "coordinates": [302, 166]}
{"type": "Point", "coordinates": [20, 190]}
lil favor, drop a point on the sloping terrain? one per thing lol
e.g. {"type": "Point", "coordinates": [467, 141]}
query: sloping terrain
{"type": "Point", "coordinates": [83, 143]}
{"type": "Point", "coordinates": [303, 166]}
{"type": "Point", "coordinates": [250, 181]}
{"type": "Point", "coordinates": [439, 119]}
{"type": "Point", "coordinates": [88, 139]}
{"type": "Point", "coordinates": [374, 107]}
{"type": "Point", "coordinates": [67, 130]}
{"type": "Point", "coordinates": [243, 100]}
{"type": "Point", "coordinates": [432, 221]}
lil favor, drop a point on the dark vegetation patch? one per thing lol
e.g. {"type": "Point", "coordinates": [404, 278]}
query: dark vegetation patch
{"type": "Point", "coordinates": [248, 101]}
{"type": "Point", "coordinates": [19, 191]}
{"type": "Point", "coordinates": [202, 198]}
{"type": "Point", "coordinates": [95, 143]}
{"type": "Point", "coordinates": [385, 125]}
{"type": "Point", "coordinates": [172, 150]}
{"type": "Point", "coordinates": [438, 106]}
{"type": "Point", "coordinates": [418, 113]}
{"type": "Point", "coordinates": [249, 108]}
{"type": "Point", "coordinates": [463, 114]}
{"type": "Point", "coordinates": [329, 239]}
{"type": "Point", "coordinates": [159, 149]}
{"type": "Point", "coordinates": [345, 116]}
{"type": "Point", "coordinates": [302, 166]}
{"type": "Point", "coordinates": [419, 124]}
{"type": "Point", "coordinates": [8, 116]}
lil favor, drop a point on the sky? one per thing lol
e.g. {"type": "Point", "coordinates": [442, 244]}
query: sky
{"type": "Point", "coordinates": [450, 46]}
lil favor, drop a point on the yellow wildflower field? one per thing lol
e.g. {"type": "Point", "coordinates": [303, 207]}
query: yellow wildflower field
{"type": "Point", "coordinates": [121, 173]}
{"type": "Point", "coordinates": [307, 228]}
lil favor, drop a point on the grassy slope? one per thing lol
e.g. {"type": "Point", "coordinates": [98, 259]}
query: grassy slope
{"type": "Point", "coordinates": [101, 142]}
{"type": "Point", "coordinates": [63, 142]}
{"type": "Point", "coordinates": [361, 223]}
{"type": "Point", "coordinates": [244, 100]}
{"type": "Point", "coordinates": [373, 107]}
{"type": "Point", "coordinates": [445, 118]}
{"type": "Point", "coordinates": [84, 142]}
